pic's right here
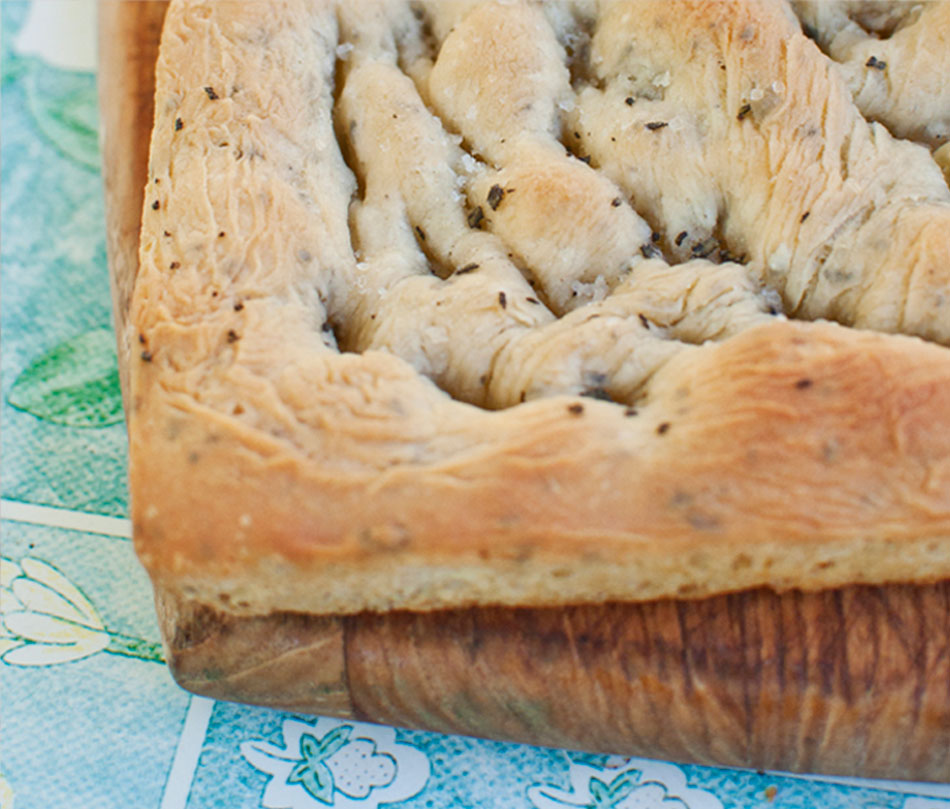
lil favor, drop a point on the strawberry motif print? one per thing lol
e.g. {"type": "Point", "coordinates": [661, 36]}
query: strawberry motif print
{"type": "Point", "coordinates": [357, 768]}
{"type": "Point", "coordinates": [340, 764]}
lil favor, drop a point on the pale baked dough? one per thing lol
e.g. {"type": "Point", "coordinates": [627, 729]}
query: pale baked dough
{"type": "Point", "coordinates": [895, 55]}
{"type": "Point", "coordinates": [453, 303]}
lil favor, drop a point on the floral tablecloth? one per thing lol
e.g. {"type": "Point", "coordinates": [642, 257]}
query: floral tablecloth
{"type": "Point", "coordinates": [91, 717]}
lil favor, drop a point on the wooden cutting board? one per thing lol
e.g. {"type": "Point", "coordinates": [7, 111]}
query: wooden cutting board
{"type": "Point", "coordinates": [850, 681]}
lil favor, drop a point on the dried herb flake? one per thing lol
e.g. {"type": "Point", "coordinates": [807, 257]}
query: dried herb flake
{"type": "Point", "coordinates": [495, 196]}
{"type": "Point", "coordinates": [476, 217]}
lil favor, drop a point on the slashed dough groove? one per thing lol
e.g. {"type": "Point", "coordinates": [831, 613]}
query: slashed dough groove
{"type": "Point", "coordinates": [609, 227]}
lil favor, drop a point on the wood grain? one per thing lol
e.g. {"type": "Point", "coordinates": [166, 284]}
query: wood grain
{"type": "Point", "coordinates": [288, 661]}
{"type": "Point", "coordinates": [850, 681]}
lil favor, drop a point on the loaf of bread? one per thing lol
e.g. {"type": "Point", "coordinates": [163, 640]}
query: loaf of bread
{"type": "Point", "coordinates": [466, 303]}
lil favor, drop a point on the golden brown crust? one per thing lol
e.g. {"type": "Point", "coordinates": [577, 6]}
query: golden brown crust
{"type": "Point", "coordinates": [792, 456]}
{"type": "Point", "coordinates": [128, 39]}
{"type": "Point", "coordinates": [269, 471]}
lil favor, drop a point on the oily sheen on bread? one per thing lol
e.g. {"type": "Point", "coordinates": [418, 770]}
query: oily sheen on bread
{"type": "Point", "coordinates": [506, 303]}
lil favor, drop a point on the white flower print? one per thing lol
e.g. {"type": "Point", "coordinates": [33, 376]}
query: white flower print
{"type": "Point", "coordinates": [45, 620]}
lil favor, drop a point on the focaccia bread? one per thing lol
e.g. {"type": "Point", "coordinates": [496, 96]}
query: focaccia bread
{"type": "Point", "coordinates": [509, 303]}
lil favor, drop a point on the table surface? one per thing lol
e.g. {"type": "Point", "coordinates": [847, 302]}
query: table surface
{"type": "Point", "coordinates": [91, 715]}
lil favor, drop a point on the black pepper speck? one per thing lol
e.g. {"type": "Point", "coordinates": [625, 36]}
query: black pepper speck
{"type": "Point", "coordinates": [495, 196]}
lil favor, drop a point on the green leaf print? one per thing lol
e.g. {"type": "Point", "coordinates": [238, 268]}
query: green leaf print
{"type": "Point", "coordinates": [599, 792]}
{"type": "Point", "coordinates": [11, 64]}
{"type": "Point", "coordinates": [333, 741]}
{"type": "Point", "coordinates": [64, 105]}
{"type": "Point", "coordinates": [315, 777]}
{"type": "Point", "coordinates": [312, 773]}
{"type": "Point", "coordinates": [75, 384]}
{"type": "Point", "coordinates": [608, 796]}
